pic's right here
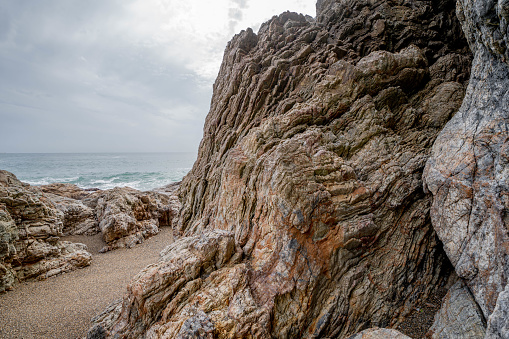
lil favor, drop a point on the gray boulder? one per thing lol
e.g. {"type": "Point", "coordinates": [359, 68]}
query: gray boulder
{"type": "Point", "coordinates": [468, 172]}
{"type": "Point", "coordinates": [459, 317]}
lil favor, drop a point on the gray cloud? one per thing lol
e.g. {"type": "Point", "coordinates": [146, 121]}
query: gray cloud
{"type": "Point", "coordinates": [240, 3]}
{"type": "Point", "coordinates": [236, 14]}
{"type": "Point", "coordinates": [73, 81]}
{"type": "Point", "coordinates": [116, 75]}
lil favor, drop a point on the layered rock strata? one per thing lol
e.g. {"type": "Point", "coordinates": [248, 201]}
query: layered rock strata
{"type": "Point", "coordinates": [33, 219]}
{"type": "Point", "coordinates": [127, 216]}
{"type": "Point", "coordinates": [30, 227]}
{"type": "Point", "coordinates": [304, 214]}
{"type": "Point", "coordinates": [123, 215]}
{"type": "Point", "coordinates": [469, 171]}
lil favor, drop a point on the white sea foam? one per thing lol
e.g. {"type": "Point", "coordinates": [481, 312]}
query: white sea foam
{"type": "Point", "coordinates": [143, 171]}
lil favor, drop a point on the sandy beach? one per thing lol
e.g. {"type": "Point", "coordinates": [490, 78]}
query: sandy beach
{"type": "Point", "coordinates": [61, 307]}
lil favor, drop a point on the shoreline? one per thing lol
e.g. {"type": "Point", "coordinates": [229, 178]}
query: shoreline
{"type": "Point", "coordinates": [62, 306]}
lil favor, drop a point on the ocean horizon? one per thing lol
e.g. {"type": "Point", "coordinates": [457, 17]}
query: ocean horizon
{"type": "Point", "coordinates": [142, 171]}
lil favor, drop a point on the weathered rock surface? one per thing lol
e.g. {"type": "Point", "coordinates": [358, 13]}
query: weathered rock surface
{"type": "Point", "coordinates": [8, 237]}
{"type": "Point", "coordinates": [459, 317]}
{"type": "Point", "coordinates": [469, 171]}
{"type": "Point", "coordinates": [311, 166]}
{"type": "Point", "coordinates": [32, 220]}
{"type": "Point", "coordinates": [67, 190]}
{"type": "Point", "coordinates": [199, 268]}
{"type": "Point", "coordinates": [498, 325]}
{"type": "Point", "coordinates": [127, 216]}
{"type": "Point", "coordinates": [77, 218]}
{"type": "Point", "coordinates": [30, 227]}
{"type": "Point", "coordinates": [379, 333]}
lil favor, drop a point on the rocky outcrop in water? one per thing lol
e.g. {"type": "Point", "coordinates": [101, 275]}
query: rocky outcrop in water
{"type": "Point", "coordinates": [30, 228]}
{"type": "Point", "coordinates": [304, 214]}
{"type": "Point", "coordinates": [468, 172]}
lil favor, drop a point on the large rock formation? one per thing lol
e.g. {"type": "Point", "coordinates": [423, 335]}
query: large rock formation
{"type": "Point", "coordinates": [379, 333]}
{"type": "Point", "coordinates": [30, 227]}
{"type": "Point", "coordinates": [469, 171]}
{"type": "Point", "coordinates": [33, 219]}
{"type": "Point", "coordinates": [123, 215]}
{"type": "Point", "coordinates": [304, 214]}
{"type": "Point", "coordinates": [127, 216]}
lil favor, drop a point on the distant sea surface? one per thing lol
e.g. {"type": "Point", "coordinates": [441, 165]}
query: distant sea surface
{"type": "Point", "coordinates": [142, 171]}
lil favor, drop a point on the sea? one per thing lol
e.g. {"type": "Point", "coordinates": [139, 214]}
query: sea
{"type": "Point", "coordinates": [142, 171]}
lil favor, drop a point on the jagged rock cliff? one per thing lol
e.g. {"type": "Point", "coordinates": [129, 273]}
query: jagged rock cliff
{"type": "Point", "coordinates": [304, 214]}
{"type": "Point", "coordinates": [469, 171]}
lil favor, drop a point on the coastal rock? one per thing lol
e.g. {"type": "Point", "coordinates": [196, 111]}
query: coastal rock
{"type": "Point", "coordinates": [379, 333]}
{"type": "Point", "coordinates": [459, 317]}
{"type": "Point", "coordinates": [62, 257]}
{"type": "Point", "coordinates": [311, 162]}
{"type": "Point", "coordinates": [123, 215]}
{"type": "Point", "coordinates": [77, 218]}
{"type": "Point", "coordinates": [189, 268]}
{"type": "Point", "coordinates": [498, 325]}
{"type": "Point", "coordinates": [30, 228]}
{"type": "Point", "coordinates": [67, 190]}
{"type": "Point", "coordinates": [8, 237]}
{"type": "Point", "coordinates": [468, 173]}
{"type": "Point", "coordinates": [8, 179]}
{"type": "Point", "coordinates": [170, 189]}
{"type": "Point", "coordinates": [127, 216]}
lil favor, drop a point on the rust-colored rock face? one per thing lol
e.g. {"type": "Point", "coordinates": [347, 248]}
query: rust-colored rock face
{"type": "Point", "coordinates": [311, 162]}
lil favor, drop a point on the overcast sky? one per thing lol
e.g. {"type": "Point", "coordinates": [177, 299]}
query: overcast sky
{"type": "Point", "coordinates": [116, 75]}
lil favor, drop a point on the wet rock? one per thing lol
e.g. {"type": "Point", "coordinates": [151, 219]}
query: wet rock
{"type": "Point", "coordinates": [468, 172]}
{"type": "Point", "coordinates": [459, 317]}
